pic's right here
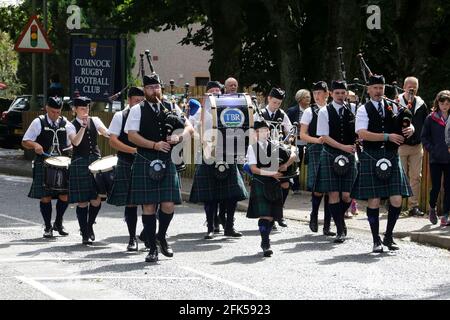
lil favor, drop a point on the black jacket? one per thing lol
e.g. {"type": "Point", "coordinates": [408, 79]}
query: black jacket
{"type": "Point", "coordinates": [433, 139]}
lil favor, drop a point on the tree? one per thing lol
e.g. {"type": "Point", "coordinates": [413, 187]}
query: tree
{"type": "Point", "coordinates": [8, 67]}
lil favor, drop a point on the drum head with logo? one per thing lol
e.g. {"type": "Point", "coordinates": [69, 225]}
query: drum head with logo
{"type": "Point", "coordinates": [59, 162]}
{"type": "Point", "coordinates": [104, 164]}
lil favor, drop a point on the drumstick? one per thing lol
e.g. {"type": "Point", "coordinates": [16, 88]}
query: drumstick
{"type": "Point", "coordinates": [46, 154]}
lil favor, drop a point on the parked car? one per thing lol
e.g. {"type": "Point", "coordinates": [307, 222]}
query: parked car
{"type": "Point", "coordinates": [11, 125]}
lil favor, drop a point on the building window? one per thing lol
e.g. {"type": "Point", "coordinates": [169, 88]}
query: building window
{"type": "Point", "coordinates": [201, 81]}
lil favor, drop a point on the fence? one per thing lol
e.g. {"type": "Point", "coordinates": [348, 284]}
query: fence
{"type": "Point", "coordinates": [103, 143]}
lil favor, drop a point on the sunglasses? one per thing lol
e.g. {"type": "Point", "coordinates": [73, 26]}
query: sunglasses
{"type": "Point", "coordinates": [443, 99]}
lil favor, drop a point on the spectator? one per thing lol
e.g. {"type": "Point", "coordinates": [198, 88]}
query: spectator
{"type": "Point", "coordinates": [295, 113]}
{"type": "Point", "coordinates": [411, 152]}
{"type": "Point", "coordinates": [433, 139]}
{"type": "Point", "coordinates": [55, 89]}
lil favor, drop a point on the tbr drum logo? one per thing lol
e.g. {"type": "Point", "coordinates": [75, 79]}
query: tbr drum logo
{"type": "Point", "coordinates": [232, 118]}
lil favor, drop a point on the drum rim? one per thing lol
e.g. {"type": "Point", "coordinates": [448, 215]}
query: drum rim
{"type": "Point", "coordinates": [66, 166]}
{"type": "Point", "coordinates": [104, 170]}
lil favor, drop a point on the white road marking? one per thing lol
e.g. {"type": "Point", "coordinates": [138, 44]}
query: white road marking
{"type": "Point", "coordinates": [112, 278]}
{"type": "Point", "coordinates": [230, 283]}
{"type": "Point", "coordinates": [21, 220]}
{"type": "Point", "coordinates": [39, 286]}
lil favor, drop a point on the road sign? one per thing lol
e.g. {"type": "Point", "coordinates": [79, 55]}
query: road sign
{"type": "Point", "coordinates": [33, 38]}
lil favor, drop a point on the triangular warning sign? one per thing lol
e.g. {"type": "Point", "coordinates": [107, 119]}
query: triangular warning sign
{"type": "Point", "coordinates": [33, 38]}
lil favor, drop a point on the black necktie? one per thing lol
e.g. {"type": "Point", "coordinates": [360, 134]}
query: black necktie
{"type": "Point", "coordinates": [380, 109]}
{"type": "Point", "coordinates": [155, 108]}
{"type": "Point", "coordinates": [341, 112]}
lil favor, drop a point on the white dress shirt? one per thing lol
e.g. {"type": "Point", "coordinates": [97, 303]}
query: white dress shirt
{"type": "Point", "coordinates": [35, 128]}
{"type": "Point", "coordinates": [251, 154]}
{"type": "Point", "coordinates": [97, 122]}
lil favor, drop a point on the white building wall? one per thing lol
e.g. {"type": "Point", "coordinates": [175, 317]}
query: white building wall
{"type": "Point", "coordinates": [180, 63]}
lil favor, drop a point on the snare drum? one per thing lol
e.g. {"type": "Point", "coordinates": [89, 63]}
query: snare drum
{"type": "Point", "coordinates": [56, 173]}
{"type": "Point", "coordinates": [103, 172]}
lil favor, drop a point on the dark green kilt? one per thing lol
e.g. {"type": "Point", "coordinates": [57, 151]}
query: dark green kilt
{"type": "Point", "coordinates": [121, 184]}
{"type": "Point", "coordinates": [207, 188]}
{"type": "Point", "coordinates": [314, 152]}
{"type": "Point", "coordinates": [81, 181]}
{"type": "Point", "coordinates": [369, 186]}
{"type": "Point", "coordinates": [327, 179]}
{"type": "Point", "coordinates": [144, 190]}
{"type": "Point", "coordinates": [37, 190]}
{"type": "Point", "coordinates": [259, 206]}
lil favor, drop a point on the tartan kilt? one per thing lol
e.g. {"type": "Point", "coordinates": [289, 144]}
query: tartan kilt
{"type": "Point", "coordinates": [369, 186]}
{"type": "Point", "coordinates": [259, 206]}
{"type": "Point", "coordinates": [144, 190]}
{"type": "Point", "coordinates": [82, 186]}
{"type": "Point", "coordinates": [207, 188]}
{"type": "Point", "coordinates": [121, 184]}
{"type": "Point", "coordinates": [314, 152]}
{"type": "Point", "coordinates": [327, 180]}
{"type": "Point", "coordinates": [37, 190]}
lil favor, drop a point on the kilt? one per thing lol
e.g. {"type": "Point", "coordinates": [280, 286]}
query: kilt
{"type": "Point", "coordinates": [144, 190]}
{"type": "Point", "coordinates": [369, 186]}
{"type": "Point", "coordinates": [82, 186]}
{"type": "Point", "coordinates": [259, 206]}
{"type": "Point", "coordinates": [207, 188]}
{"type": "Point", "coordinates": [37, 190]}
{"type": "Point", "coordinates": [121, 184]}
{"type": "Point", "coordinates": [314, 152]}
{"type": "Point", "coordinates": [327, 179]}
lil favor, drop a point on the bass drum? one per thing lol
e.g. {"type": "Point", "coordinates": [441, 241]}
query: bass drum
{"type": "Point", "coordinates": [226, 121]}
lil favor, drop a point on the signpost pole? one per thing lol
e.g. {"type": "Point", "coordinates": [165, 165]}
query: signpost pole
{"type": "Point", "coordinates": [44, 55]}
{"type": "Point", "coordinates": [33, 103]}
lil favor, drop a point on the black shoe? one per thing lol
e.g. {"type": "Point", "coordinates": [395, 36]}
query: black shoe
{"type": "Point", "coordinates": [152, 256]}
{"type": "Point", "coordinates": [328, 233]}
{"type": "Point", "coordinates": [282, 223]}
{"type": "Point", "coordinates": [274, 227]}
{"type": "Point", "coordinates": [209, 235]}
{"type": "Point", "coordinates": [132, 244]}
{"type": "Point", "coordinates": [60, 228]}
{"type": "Point", "coordinates": [267, 252]}
{"type": "Point", "coordinates": [165, 248]}
{"type": "Point", "coordinates": [377, 247]}
{"type": "Point", "coordinates": [340, 238]}
{"type": "Point", "coordinates": [313, 223]}
{"type": "Point", "coordinates": [416, 212]}
{"type": "Point", "coordinates": [48, 232]}
{"type": "Point", "coordinates": [91, 232]}
{"type": "Point", "coordinates": [86, 240]}
{"type": "Point", "coordinates": [232, 233]}
{"type": "Point", "coordinates": [389, 242]}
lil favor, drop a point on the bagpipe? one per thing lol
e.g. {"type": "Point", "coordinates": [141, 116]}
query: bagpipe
{"type": "Point", "coordinates": [402, 116]}
{"type": "Point", "coordinates": [169, 116]}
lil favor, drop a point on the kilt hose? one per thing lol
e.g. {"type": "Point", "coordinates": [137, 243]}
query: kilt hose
{"type": "Point", "coordinates": [82, 186]}
{"type": "Point", "coordinates": [37, 190]}
{"type": "Point", "coordinates": [121, 185]}
{"type": "Point", "coordinates": [206, 187]}
{"type": "Point", "coordinates": [369, 186]}
{"type": "Point", "coordinates": [327, 179]}
{"type": "Point", "coordinates": [144, 190]}
{"type": "Point", "coordinates": [259, 206]}
{"type": "Point", "coordinates": [314, 152]}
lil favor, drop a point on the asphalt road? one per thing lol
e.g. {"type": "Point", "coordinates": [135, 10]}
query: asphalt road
{"type": "Point", "coordinates": [304, 266]}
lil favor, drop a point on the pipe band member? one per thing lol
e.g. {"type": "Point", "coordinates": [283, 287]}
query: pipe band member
{"type": "Point", "coordinates": [48, 134]}
{"type": "Point", "coordinates": [83, 133]}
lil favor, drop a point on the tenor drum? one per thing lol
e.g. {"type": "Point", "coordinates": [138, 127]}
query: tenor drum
{"type": "Point", "coordinates": [56, 173]}
{"type": "Point", "coordinates": [226, 120]}
{"type": "Point", "coordinates": [103, 172]}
